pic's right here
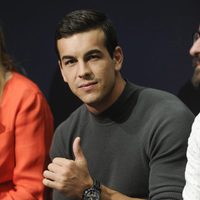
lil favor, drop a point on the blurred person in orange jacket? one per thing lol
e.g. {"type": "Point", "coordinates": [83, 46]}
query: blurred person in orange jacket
{"type": "Point", "coordinates": [26, 127]}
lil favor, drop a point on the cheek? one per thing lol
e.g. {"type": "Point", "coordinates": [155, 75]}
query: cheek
{"type": "Point", "coordinates": [70, 82]}
{"type": "Point", "coordinates": [107, 74]}
{"type": "Point", "coordinates": [72, 87]}
{"type": "Point", "coordinates": [63, 73]}
{"type": "Point", "coordinates": [69, 76]}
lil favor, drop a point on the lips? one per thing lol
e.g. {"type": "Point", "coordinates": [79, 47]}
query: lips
{"type": "Point", "coordinates": [196, 60]}
{"type": "Point", "coordinates": [85, 85]}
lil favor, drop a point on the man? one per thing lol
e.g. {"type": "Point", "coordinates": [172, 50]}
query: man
{"type": "Point", "coordinates": [192, 172]}
{"type": "Point", "coordinates": [133, 139]}
{"type": "Point", "coordinates": [190, 92]}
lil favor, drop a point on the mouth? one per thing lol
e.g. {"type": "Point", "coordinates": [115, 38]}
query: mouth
{"type": "Point", "coordinates": [196, 60]}
{"type": "Point", "coordinates": [87, 85]}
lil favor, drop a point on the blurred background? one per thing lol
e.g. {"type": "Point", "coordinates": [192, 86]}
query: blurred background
{"type": "Point", "coordinates": [155, 35]}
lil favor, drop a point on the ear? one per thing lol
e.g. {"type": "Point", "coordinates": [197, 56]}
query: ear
{"type": "Point", "coordinates": [62, 71]}
{"type": "Point", "coordinates": [118, 57]}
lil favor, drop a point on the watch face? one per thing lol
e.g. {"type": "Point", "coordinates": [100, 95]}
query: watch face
{"type": "Point", "coordinates": [92, 194]}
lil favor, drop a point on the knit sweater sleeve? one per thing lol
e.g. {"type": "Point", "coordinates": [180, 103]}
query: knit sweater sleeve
{"type": "Point", "coordinates": [167, 148]}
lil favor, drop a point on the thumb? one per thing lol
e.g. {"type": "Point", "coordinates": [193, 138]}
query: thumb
{"type": "Point", "coordinates": [78, 153]}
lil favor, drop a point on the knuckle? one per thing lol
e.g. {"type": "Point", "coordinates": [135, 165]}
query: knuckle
{"type": "Point", "coordinates": [61, 186]}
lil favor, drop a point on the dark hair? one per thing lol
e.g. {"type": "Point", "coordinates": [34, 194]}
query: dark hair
{"type": "Point", "coordinates": [5, 61]}
{"type": "Point", "coordinates": [84, 20]}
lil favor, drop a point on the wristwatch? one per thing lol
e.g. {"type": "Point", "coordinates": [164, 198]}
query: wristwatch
{"type": "Point", "coordinates": [94, 192]}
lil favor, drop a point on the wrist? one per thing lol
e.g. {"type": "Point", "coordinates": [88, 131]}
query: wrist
{"type": "Point", "coordinates": [93, 192]}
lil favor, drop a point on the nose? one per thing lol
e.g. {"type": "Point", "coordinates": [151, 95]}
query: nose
{"type": "Point", "coordinates": [195, 49]}
{"type": "Point", "coordinates": [84, 70]}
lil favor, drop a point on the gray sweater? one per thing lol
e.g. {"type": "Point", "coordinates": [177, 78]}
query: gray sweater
{"type": "Point", "coordinates": [136, 147]}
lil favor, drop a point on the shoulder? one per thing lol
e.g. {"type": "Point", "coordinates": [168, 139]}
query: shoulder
{"type": "Point", "coordinates": [156, 94]}
{"type": "Point", "coordinates": [195, 132]}
{"type": "Point", "coordinates": [21, 93]}
{"type": "Point", "coordinates": [153, 95]}
{"type": "Point", "coordinates": [74, 121]}
{"type": "Point", "coordinates": [165, 111]}
{"type": "Point", "coordinates": [24, 83]}
{"type": "Point", "coordinates": [23, 89]}
{"type": "Point", "coordinates": [66, 132]}
{"type": "Point", "coordinates": [161, 100]}
{"type": "Point", "coordinates": [196, 123]}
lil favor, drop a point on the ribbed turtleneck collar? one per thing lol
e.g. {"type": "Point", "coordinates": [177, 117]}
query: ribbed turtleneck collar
{"type": "Point", "coordinates": [122, 107]}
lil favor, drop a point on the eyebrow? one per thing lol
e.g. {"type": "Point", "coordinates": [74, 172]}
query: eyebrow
{"type": "Point", "coordinates": [67, 57]}
{"type": "Point", "coordinates": [93, 51]}
{"type": "Point", "coordinates": [87, 54]}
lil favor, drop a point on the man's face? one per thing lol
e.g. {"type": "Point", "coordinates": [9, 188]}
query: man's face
{"type": "Point", "coordinates": [195, 50]}
{"type": "Point", "coordinates": [88, 68]}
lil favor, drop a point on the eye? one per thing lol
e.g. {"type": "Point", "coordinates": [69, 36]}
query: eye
{"type": "Point", "coordinates": [69, 62]}
{"type": "Point", "coordinates": [93, 57]}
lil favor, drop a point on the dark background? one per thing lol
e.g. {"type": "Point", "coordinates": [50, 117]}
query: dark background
{"type": "Point", "coordinates": [155, 36]}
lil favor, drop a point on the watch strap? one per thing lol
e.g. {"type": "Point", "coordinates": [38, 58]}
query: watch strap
{"type": "Point", "coordinates": [96, 184]}
{"type": "Point", "coordinates": [96, 188]}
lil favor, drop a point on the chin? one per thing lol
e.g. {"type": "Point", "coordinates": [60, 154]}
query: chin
{"type": "Point", "coordinates": [90, 99]}
{"type": "Point", "coordinates": [91, 102]}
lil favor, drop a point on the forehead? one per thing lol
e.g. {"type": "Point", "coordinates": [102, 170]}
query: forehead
{"type": "Point", "coordinates": [80, 42]}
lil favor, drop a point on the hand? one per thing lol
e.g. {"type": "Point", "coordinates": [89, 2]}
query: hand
{"type": "Point", "coordinates": [71, 177]}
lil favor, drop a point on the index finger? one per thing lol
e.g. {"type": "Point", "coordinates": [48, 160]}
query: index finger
{"type": "Point", "coordinates": [61, 161]}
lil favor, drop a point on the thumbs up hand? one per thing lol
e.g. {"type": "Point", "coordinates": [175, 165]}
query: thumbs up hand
{"type": "Point", "coordinates": [71, 177]}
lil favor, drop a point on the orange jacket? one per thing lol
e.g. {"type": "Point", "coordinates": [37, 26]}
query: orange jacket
{"type": "Point", "coordinates": [26, 127]}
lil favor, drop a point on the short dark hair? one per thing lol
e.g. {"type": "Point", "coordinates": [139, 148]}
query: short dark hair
{"type": "Point", "coordinates": [84, 20]}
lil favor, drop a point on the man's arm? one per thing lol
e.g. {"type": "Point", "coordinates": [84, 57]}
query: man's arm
{"type": "Point", "coordinates": [166, 150]}
{"type": "Point", "coordinates": [72, 177]}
